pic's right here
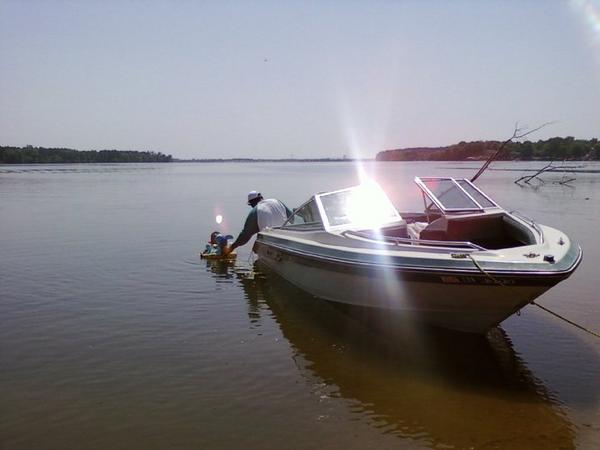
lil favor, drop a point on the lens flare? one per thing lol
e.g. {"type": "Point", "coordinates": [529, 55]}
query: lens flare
{"type": "Point", "coordinates": [369, 207]}
{"type": "Point", "coordinates": [591, 11]}
{"type": "Point", "coordinates": [219, 218]}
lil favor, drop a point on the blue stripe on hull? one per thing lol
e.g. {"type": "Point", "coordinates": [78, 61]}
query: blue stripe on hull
{"type": "Point", "coordinates": [451, 272]}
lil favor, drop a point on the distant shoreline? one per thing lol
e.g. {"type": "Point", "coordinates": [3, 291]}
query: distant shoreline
{"type": "Point", "coordinates": [324, 160]}
{"type": "Point", "coordinates": [553, 149]}
{"type": "Point", "coordinates": [42, 155]}
{"type": "Point", "coordinates": [259, 160]}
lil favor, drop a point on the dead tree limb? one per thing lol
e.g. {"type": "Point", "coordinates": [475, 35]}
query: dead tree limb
{"type": "Point", "coordinates": [528, 178]}
{"type": "Point", "coordinates": [517, 134]}
{"type": "Point", "coordinates": [565, 181]}
{"type": "Point", "coordinates": [549, 168]}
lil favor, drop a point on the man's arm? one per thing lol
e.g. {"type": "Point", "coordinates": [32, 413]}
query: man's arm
{"type": "Point", "coordinates": [250, 229]}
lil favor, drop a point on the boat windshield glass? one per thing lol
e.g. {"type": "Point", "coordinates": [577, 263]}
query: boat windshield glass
{"type": "Point", "coordinates": [364, 206]}
{"type": "Point", "coordinates": [448, 194]}
{"type": "Point", "coordinates": [307, 214]}
{"type": "Point", "coordinates": [479, 197]}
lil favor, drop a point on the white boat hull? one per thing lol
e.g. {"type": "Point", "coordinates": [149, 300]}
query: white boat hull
{"type": "Point", "coordinates": [473, 308]}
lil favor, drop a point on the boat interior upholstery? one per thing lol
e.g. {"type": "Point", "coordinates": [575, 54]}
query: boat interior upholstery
{"type": "Point", "coordinates": [492, 231]}
{"type": "Point", "coordinates": [464, 221]}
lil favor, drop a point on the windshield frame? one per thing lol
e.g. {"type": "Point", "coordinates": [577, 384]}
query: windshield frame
{"type": "Point", "coordinates": [477, 207]}
{"type": "Point", "coordinates": [288, 224]}
{"type": "Point", "coordinates": [395, 217]}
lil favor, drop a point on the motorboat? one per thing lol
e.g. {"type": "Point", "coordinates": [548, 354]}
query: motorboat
{"type": "Point", "coordinates": [463, 263]}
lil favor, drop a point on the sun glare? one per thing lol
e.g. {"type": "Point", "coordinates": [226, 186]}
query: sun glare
{"type": "Point", "coordinates": [369, 206]}
{"type": "Point", "coordinates": [591, 12]}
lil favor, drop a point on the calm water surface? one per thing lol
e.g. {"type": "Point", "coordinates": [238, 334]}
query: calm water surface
{"type": "Point", "coordinates": [114, 334]}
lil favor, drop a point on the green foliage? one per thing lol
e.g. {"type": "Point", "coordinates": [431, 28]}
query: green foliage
{"type": "Point", "coordinates": [41, 155]}
{"type": "Point", "coordinates": [556, 148]}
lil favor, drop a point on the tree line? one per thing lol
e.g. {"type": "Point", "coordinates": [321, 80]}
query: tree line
{"type": "Point", "coordinates": [556, 148]}
{"type": "Point", "coordinates": [41, 155]}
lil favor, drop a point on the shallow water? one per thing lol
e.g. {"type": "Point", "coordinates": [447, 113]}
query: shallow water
{"type": "Point", "coordinates": [114, 334]}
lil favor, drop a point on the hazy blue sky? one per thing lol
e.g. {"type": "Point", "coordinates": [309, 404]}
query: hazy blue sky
{"type": "Point", "coordinates": [303, 78]}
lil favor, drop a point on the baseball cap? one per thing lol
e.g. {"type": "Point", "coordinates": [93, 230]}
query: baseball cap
{"type": "Point", "coordinates": [253, 195]}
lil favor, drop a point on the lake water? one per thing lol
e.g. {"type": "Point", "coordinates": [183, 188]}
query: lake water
{"type": "Point", "coordinates": [114, 334]}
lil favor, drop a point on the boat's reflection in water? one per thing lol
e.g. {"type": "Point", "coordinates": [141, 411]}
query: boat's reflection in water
{"type": "Point", "coordinates": [439, 388]}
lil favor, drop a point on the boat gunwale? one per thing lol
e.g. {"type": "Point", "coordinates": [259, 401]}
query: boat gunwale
{"type": "Point", "coordinates": [562, 274]}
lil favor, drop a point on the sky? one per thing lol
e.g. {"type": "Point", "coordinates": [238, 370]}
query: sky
{"type": "Point", "coordinates": [302, 79]}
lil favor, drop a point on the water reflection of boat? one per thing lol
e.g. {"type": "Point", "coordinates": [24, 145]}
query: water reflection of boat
{"type": "Point", "coordinates": [440, 388]}
{"type": "Point", "coordinates": [464, 263]}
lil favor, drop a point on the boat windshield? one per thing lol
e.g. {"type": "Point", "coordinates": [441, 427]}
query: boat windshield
{"type": "Point", "coordinates": [477, 195]}
{"type": "Point", "coordinates": [361, 207]}
{"type": "Point", "coordinates": [305, 216]}
{"type": "Point", "coordinates": [448, 194]}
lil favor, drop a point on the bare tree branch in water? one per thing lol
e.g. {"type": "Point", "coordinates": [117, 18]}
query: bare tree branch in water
{"type": "Point", "coordinates": [548, 168]}
{"type": "Point", "coordinates": [518, 133]}
{"type": "Point", "coordinates": [527, 178]}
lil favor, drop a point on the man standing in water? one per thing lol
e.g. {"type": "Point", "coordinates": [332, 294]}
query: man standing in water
{"type": "Point", "coordinates": [265, 213]}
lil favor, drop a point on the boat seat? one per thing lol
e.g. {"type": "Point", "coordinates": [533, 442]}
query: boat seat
{"type": "Point", "coordinates": [475, 229]}
{"type": "Point", "coordinates": [489, 231]}
{"type": "Point", "coordinates": [414, 229]}
{"type": "Point", "coordinates": [436, 230]}
{"type": "Point", "coordinates": [464, 229]}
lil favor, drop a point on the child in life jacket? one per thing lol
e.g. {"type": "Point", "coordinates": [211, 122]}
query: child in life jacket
{"type": "Point", "coordinates": [217, 243]}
